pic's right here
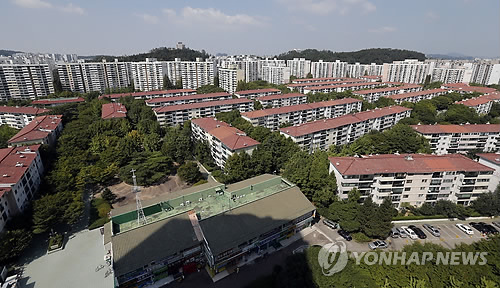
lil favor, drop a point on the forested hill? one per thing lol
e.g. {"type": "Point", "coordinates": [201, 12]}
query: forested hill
{"type": "Point", "coordinates": [366, 56]}
{"type": "Point", "coordinates": [162, 54]}
{"type": "Point", "coordinates": [8, 52]}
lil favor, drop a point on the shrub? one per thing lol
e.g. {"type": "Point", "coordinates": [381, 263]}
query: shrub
{"type": "Point", "coordinates": [360, 237]}
{"type": "Point", "coordinates": [202, 181]}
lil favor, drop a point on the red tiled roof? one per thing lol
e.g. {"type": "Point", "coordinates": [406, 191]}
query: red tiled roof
{"type": "Point", "coordinates": [419, 163]}
{"type": "Point", "coordinates": [146, 93]}
{"type": "Point", "coordinates": [201, 105]}
{"type": "Point", "coordinates": [473, 102]}
{"type": "Point", "coordinates": [245, 92]}
{"type": "Point", "coordinates": [324, 78]}
{"type": "Point", "coordinates": [449, 129]}
{"type": "Point", "coordinates": [332, 83]}
{"type": "Point", "coordinates": [325, 124]}
{"type": "Point", "coordinates": [492, 157]}
{"type": "Point", "coordinates": [4, 190]}
{"type": "Point", "coordinates": [345, 85]}
{"type": "Point", "coordinates": [293, 108]}
{"type": "Point", "coordinates": [57, 101]}
{"type": "Point", "coordinates": [209, 123]}
{"type": "Point", "coordinates": [37, 129]}
{"type": "Point", "coordinates": [416, 93]}
{"type": "Point", "coordinates": [23, 110]}
{"type": "Point", "coordinates": [388, 89]}
{"type": "Point", "coordinates": [467, 88]}
{"type": "Point", "coordinates": [280, 96]}
{"type": "Point", "coordinates": [113, 110]}
{"type": "Point", "coordinates": [371, 76]}
{"type": "Point", "coordinates": [14, 162]}
{"type": "Point", "coordinates": [187, 97]}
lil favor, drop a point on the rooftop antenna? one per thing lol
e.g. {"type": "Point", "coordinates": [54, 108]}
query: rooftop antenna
{"type": "Point", "coordinates": [141, 219]}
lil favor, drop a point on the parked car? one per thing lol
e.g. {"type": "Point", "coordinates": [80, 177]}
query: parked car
{"type": "Point", "coordinates": [411, 234]}
{"type": "Point", "coordinates": [496, 223]}
{"type": "Point", "coordinates": [489, 228]}
{"type": "Point", "coordinates": [395, 233]}
{"type": "Point", "coordinates": [433, 230]}
{"type": "Point", "coordinates": [418, 231]}
{"type": "Point", "coordinates": [464, 228]}
{"type": "Point", "coordinates": [330, 223]}
{"type": "Point", "coordinates": [345, 235]}
{"type": "Point", "coordinates": [402, 232]}
{"type": "Point", "coordinates": [479, 227]}
{"type": "Point", "coordinates": [379, 244]}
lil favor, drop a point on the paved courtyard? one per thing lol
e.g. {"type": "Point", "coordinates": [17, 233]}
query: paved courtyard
{"type": "Point", "coordinates": [73, 267]}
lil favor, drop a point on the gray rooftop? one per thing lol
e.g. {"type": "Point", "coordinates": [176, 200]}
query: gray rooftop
{"type": "Point", "coordinates": [228, 230]}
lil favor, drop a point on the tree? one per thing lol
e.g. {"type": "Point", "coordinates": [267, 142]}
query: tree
{"type": "Point", "coordinates": [367, 217]}
{"type": "Point", "coordinates": [487, 203]}
{"type": "Point", "coordinates": [346, 211]}
{"type": "Point", "coordinates": [13, 243]}
{"type": "Point", "coordinates": [6, 132]}
{"type": "Point", "coordinates": [241, 86]}
{"type": "Point", "coordinates": [257, 105]}
{"type": "Point", "coordinates": [460, 114]}
{"type": "Point", "coordinates": [425, 112]}
{"type": "Point", "coordinates": [57, 81]}
{"type": "Point", "coordinates": [238, 167]}
{"type": "Point", "coordinates": [309, 75]}
{"type": "Point", "coordinates": [384, 102]}
{"type": "Point", "coordinates": [167, 84]}
{"type": "Point", "coordinates": [216, 81]}
{"type": "Point", "coordinates": [109, 196]}
{"type": "Point", "coordinates": [178, 83]}
{"type": "Point", "coordinates": [189, 172]}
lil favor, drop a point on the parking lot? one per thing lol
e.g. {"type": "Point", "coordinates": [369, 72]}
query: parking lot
{"type": "Point", "coordinates": [449, 238]}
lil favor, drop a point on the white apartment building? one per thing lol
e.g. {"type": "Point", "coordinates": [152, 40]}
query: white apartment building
{"type": "Point", "coordinates": [280, 100]}
{"type": "Point", "coordinates": [358, 70]}
{"type": "Point", "coordinates": [229, 78]}
{"type": "Point", "coordinates": [299, 67]}
{"type": "Point", "coordinates": [491, 160]}
{"type": "Point", "coordinates": [42, 130]}
{"type": "Point", "coordinates": [481, 104]}
{"type": "Point", "coordinates": [407, 71]}
{"type": "Point", "coordinates": [414, 97]}
{"type": "Point", "coordinates": [253, 94]}
{"type": "Point", "coordinates": [147, 75]}
{"type": "Point", "coordinates": [188, 99]}
{"type": "Point", "coordinates": [249, 65]}
{"type": "Point", "coordinates": [322, 69]}
{"type": "Point", "coordinates": [95, 76]}
{"type": "Point", "coordinates": [25, 81]}
{"type": "Point", "coordinates": [18, 117]}
{"type": "Point", "coordinates": [302, 113]}
{"type": "Point", "coordinates": [193, 74]}
{"type": "Point", "coordinates": [222, 139]}
{"type": "Point", "coordinates": [486, 73]}
{"type": "Point", "coordinates": [178, 114]}
{"type": "Point", "coordinates": [445, 139]}
{"type": "Point", "coordinates": [412, 178]}
{"type": "Point", "coordinates": [342, 130]}
{"type": "Point", "coordinates": [373, 95]}
{"type": "Point", "coordinates": [275, 74]}
{"type": "Point", "coordinates": [322, 79]}
{"type": "Point", "coordinates": [21, 169]}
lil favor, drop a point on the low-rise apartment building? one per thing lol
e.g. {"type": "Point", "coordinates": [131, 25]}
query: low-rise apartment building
{"type": "Point", "coordinates": [412, 178]}
{"type": "Point", "coordinates": [342, 87]}
{"type": "Point", "coordinates": [462, 138]}
{"type": "Point", "coordinates": [151, 94]}
{"type": "Point", "coordinates": [214, 226]}
{"type": "Point", "coordinates": [42, 130]}
{"type": "Point", "coordinates": [481, 104]}
{"type": "Point", "coordinates": [293, 115]}
{"type": "Point", "coordinates": [463, 88]}
{"type": "Point", "coordinates": [373, 95]}
{"type": "Point", "coordinates": [188, 99]}
{"type": "Point", "coordinates": [280, 100]}
{"type": "Point", "coordinates": [252, 94]}
{"type": "Point", "coordinates": [18, 117]}
{"type": "Point", "coordinates": [21, 169]}
{"type": "Point", "coordinates": [178, 114]}
{"type": "Point", "coordinates": [52, 102]}
{"type": "Point", "coordinates": [491, 160]}
{"type": "Point", "coordinates": [113, 110]}
{"type": "Point", "coordinates": [222, 139]}
{"type": "Point", "coordinates": [414, 97]}
{"type": "Point", "coordinates": [342, 130]}
{"type": "Point", "coordinates": [302, 86]}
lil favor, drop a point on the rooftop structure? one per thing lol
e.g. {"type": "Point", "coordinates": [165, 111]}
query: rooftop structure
{"type": "Point", "coordinates": [18, 117]}
{"type": "Point", "coordinates": [188, 99]}
{"type": "Point", "coordinates": [151, 94]}
{"type": "Point", "coordinates": [57, 101]}
{"type": "Point", "coordinates": [464, 88]}
{"type": "Point", "coordinates": [252, 94]}
{"type": "Point", "coordinates": [372, 95]}
{"type": "Point", "coordinates": [417, 96]}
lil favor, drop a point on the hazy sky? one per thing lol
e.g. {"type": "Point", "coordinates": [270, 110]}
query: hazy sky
{"type": "Point", "coordinates": [262, 27]}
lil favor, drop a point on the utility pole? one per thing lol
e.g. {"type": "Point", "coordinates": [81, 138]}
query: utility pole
{"type": "Point", "coordinates": [141, 219]}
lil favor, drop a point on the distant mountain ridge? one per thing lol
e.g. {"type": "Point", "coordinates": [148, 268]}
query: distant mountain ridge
{"type": "Point", "coordinates": [161, 53]}
{"type": "Point", "coordinates": [365, 56]}
{"type": "Point", "coordinates": [450, 56]}
{"type": "Point", "coordinates": [8, 52]}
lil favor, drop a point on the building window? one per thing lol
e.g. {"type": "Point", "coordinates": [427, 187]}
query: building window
{"type": "Point", "coordinates": [424, 180]}
{"type": "Point", "coordinates": [422, 188]}
{"type": "Point", "coordinates": [405, 196]}
{"type": "Point", "coordinates": [409, 181]}
{"type": "Point", "coordinates": [407, 189]}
